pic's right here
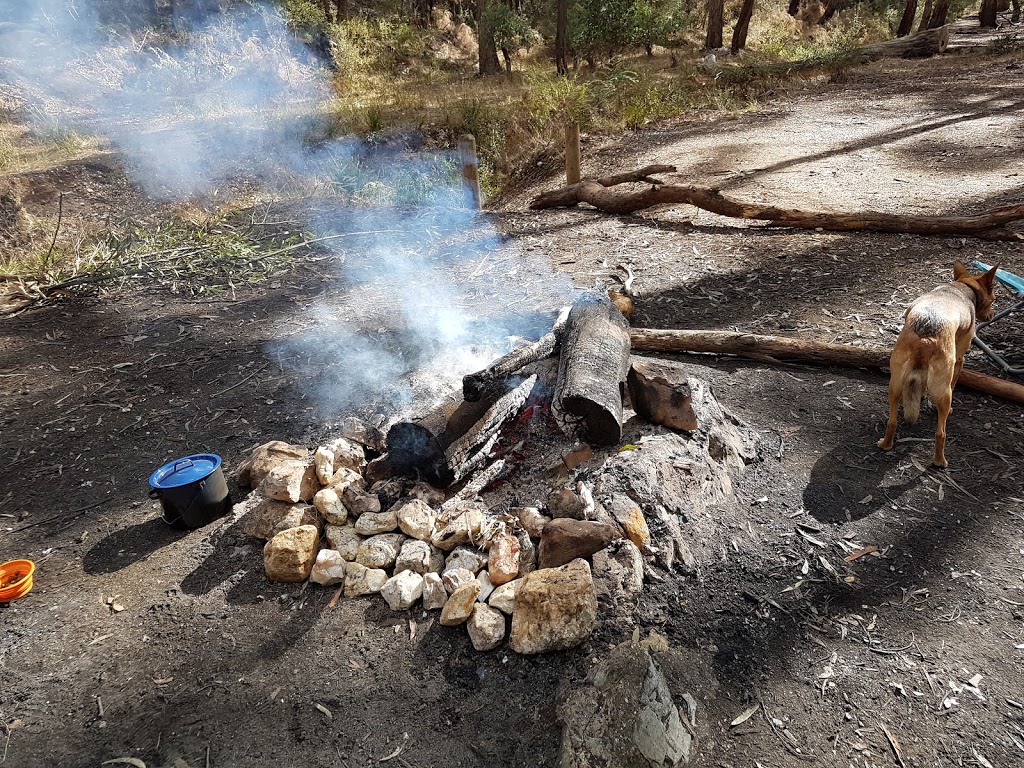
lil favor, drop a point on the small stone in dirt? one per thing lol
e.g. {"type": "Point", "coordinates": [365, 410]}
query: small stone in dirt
{"type": "Point", "coordinates": [455, 578]}
{"type": "Point", "coordinates": [419, 557]}
{"type": "Point", "coordinates": [564, 502]}
{"type": "Point", "coordinates": [468, 557]}
{"type": "Point", "coordinates": [503, 559]}
{"type": "Point", "coordinates": [578, 455]}
{"type": "Point", "coordinates": [344, 539]}
{"type": "Point", "coordinates": [370, 523]}
{"type": "Point", "coordinates": [360, 580]}
{"type": "Point", "coordinates": [328, 504]}
{"type": "Point", "coordinates": [531, 519]}
{"type": "Point", "coordinates": [380, 551]}
{"type": "Point", "coordinates": [486, 587]}
{"type": "Point", "coordinates": [565, 539]}
{"type": "Point", "coordinates": [360, 501]}
{"type": "Point", "coordinates": [434, 593]}
{"type": "Point", "coordinates": [556, 609]}
{"type": "Point", "coordinates": [460, 605]}
{"type": "Point", "coordinates": [627, 513]}
{"type": "Point", "coordinates": [459, 525]}
{"type": "Point", "coordinates": [504, 597]}
{"type": "Point", "coordinates": [416, 519]}
{"type": "Point", "coordinates": [291, 481]}
{"type": "Point", "coordinates": [269, 455]}
{"type": "Point", "coordinates": [289, 556]}
{"type": "Point", "coordinates": [486, 627]}
{"type": "Point", "coordinates": [323, 460]}
{"type": "Point", "coordinates": [329, 568]}
{"type": "Point", "coordinates": [402, 590]}
{"type": "Point", "coordinates": [660, 393]}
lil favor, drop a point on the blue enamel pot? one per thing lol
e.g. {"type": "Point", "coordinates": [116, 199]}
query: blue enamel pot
{"type": "Point", "coordinates": [191, 490]}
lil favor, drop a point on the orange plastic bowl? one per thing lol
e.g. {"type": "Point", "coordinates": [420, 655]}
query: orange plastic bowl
{"type": "Point", "coordinates": [16, 579]}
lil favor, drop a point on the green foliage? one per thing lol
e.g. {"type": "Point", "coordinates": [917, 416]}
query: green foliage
{"type": "Point", "coordinates": [607, 27]}
{"type": "Point", "coordinates": [378, 45]}
{"type": "Point", "coordinates": [511, 29]}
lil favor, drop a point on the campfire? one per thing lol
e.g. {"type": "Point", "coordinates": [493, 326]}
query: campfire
{"type": "Point", "coordinates": [560, 479]}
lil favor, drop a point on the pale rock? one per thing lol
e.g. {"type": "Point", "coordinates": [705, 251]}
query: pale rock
{"type": "Point", "coordinates": [565, 539]}
{"type": "Point", "coordinates": [347, 454]}
{"type": "Point", "coordinates": [261, 516]}
{"type": "Point", "coordinates": [328, 504]}
{"type": "Point", "coordinates": [269, 455]}
{"type": "Point", "coordinates": [380, 551]}
{"type": "Point", "coordinates": [459, 525]}
{"type": "Point", "coordinates": [416, 519]}
{"type": "Point", "coordinates": [298, 514]}
{"type": "Point", "coordinates": [360, 501]}
{"type": "Point", "coordinates": [619, 574]}
{"type": "Point", "coordinates": [564, 502]}
{"type": "Point", "coordinates": [503, 559]}
{"type": "Point", "coordinates": [504, 597]}
{"type": "Point", "coordinates": [468, 557]}
{"type": "Point", "coordinates": [289, 556]}
{"type": "Point", "coordinates": [343, 478]}
{"type": "Point", "coordinates": [329, 568]}
{"type": "Point", "coordinates": [627, 513]}
{"type": "Point", "coordinates": [434, 593]}
{"type": "Point", "coordinates": [455, 578]}
{"type": "Point", "coordinates": [323, 461]}
{"type": "Point", "coordinates": [425, 492]}
{"type": "Point", "coordinates": [376, 522]}
{"type": "Point", "coordinates": [556, 609]}
{"type": "Point", "coordinates": [459, 606]}
{"type": "Point", "coordinates": [360, 580]}
{"type": "Point", "coordinates": [527, 554]}
{"type": "Point", "coordinates": [532, 520]}
{"type": "Point", "coordinates": [419, 557]}
{"type": "Point", "coordinates": [402, 590]}
{"type": "Point", "coordinates": [344, 539]}
{"type": "Point", "coordinates": [486, 587]}
{"type": "Point", "coordinates": [291, 481]}
{"type": "Point", "coordinates": [486, 627]}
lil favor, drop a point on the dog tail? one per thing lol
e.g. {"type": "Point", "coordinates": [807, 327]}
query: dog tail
{"type": "Point", "coordinates": [913, 391]}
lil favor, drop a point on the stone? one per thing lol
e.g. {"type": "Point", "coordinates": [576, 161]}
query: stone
{"type": "Point", "coordinates": [565, 539]}
{"type": "Point", "coordinates": [624, 715]}
{"type": "Point", "coordinates": [460, 604]}
{"type": "Point", "coordinates": [581, 454]}
{"type": "Point", "coordinates": [298, 514]}
{"type": "Point", "coordinates": [328, 504]}
{"type": "Point", "coordinates": [291, 481]}
{"type": "Point", "coordinates": [360, 501]}
{"type": "Point", "coordinates": [329, 568]}
{"type": "Point", "coordinates": [486, 627]}
{"type": "Point", "coordinates": [434, 593]}
{"type": "Point", "coordinates": [504, 597]}
{"type": "Point", "coordinates": [380, 551]}
{"type": "Point", "coordinates": [531, 519]}
{"type": "Point", "coordinates": [267, 456]}
{"type": "Point", "coordinates": [659, 391]}
{"type": "Point", "coordinates": [419, 557]}
{"type": "Point", "coordinates": [455, 578]}
{"type": "Point", "coordinates": [416, 519]}
{"type": "Point", "coordinates": [388, 491]}
{"type": "Point", "coordinates": [503, 559]}
{"type": "Point", "coordinates": [556, 609]}
{"type": "Point", "coordinates": [378, 469]}
{"type": "Point", "coordinates": [627, 513]}
{"type": "Point", "coordinates": [402, 590]}
{"type": "Point", "coordinates": [289, 556]}
{"type": "Point", "coordinates": [434, 497]}
{"type": "Point", "coordinates": [360, 580]}
{"type": "Point", "coordinates": [344, 539]}
{"type": "Point", "coordinates": [323, 461]}
{"type": "Point", "coordinates": [376, 522]}
{"type": "Point", "coordinates": [347, 454]}
{"type": "Point", "coordinates": [468, 557]}
{"type": "Point", "coordinates": [486, 586]}
{"type": "Point", "coordinates": [619, 575]}
{"type": "Point", "coordinates": [262, 517]}
{"type": "Point", "coordinates": [565, 502]}
{"type": "Point", "coordinates": [527, 554]}
{"type": "Point", "coordinates": [459, 525]}
{"type": "Point", "coordinates": [343, 478]}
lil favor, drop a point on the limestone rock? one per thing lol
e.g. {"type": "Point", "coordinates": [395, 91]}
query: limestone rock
{"type": "Point", "coordinates": [504, 597]}
{"type": "Point", "coordinates": [619, 574]}
{"type": "Point", "coordinates": [402, 590]}
{"type": "Point", "coordinates": [328, 504]}
{"type": "Point", "coordinates": [624, 716]}
{"type": "Point", "coordinates": [419, 557]}
{"type": "Point", "coordinates": [378, 469]}
{"type": "Point", "coordinates": [291, 481]}
{"type": "Point", "coordinates": [627, 513]}
{"type": "Point", "coordinates": [660, 393]}
{"type": "Point", "coordinates": [556, 609]}
{"type": "Point", "coordinates": [468, 557]}
{"type": "Point", "coordinates": [486, 627]}
{"type": "Point", "coordinates": [565, 539]}
{"type": "Point", "coordinates": [347, 454]}
{"type": "Point", "coordinates": [416, 519]}
{"type": "Point", "coordinates": [376, 522]}
{"type": "Point", "coordinates": [343, 478]}
{"type": "Point", "coordinates": [564, 502]}
{"type": "Point", "coordinates": [389, 492]}
{"type": "Point", "coordinates": [380, 551]}
{"type": "Point", "coordinates": [459, 525]}
{"type": "Point", "coordinates": [360, 580]}
{"type": "Point", "coordinates": [298, 514]}
{"type": "Point", "coordinates": [455, 578]}
{"type": "Point", "coordinates": [360, 501]}
{"type": "Point", "coordinates": [290, 555]}
{"type": "Point", "coordinates": [486, 587]}
{"type": "Point", "coordinates": [262, 517]}
{"type": "Point", "coordinates": [329, 568]}
{"type": "Point", "coordinates": [344, 539]}
{"type": "Point", "coordinates": [531, 519]}
{"type": "Point", "coordinates": [323, 461]}
{"type": "Point", "coordinates": [503, 559]}
{"type": "Point", "coordinates": [269, 455]}
{"type": "Point", "coordinates": [527, 554]}
{"type": "Point", "coordinates": [434, 593]}
{"type": "Point", "coordinates": [460, 605]}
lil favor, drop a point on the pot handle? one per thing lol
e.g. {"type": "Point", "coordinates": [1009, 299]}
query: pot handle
{"type": "Point", "coordinates": [182, 463]}
{"type": "Point", "coordinates": [154, 493]}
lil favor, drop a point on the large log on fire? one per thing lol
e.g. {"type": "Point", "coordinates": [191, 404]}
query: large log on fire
{"type": "Point", "coordinates": [991, 224]}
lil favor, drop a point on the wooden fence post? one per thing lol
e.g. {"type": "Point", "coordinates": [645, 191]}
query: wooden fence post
{"type": "Point", "coordinates": [470, 168]}
{"type": "Point", "coordinates": [572, 153]}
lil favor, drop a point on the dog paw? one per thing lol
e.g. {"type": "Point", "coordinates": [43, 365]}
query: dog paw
{"type": "Point", "coordinates": [884, 445]}
{"type": "Point", "coordinates": [940, 462]}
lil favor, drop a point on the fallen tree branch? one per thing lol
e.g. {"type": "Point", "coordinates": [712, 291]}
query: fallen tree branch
{"type": "Point", "coordinates": [781, 348]}
{"type": "Point", "coordinates": [990, 225]}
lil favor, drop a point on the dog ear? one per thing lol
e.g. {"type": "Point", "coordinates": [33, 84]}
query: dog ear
{"type": "Point", "coordinates": [989, 278]}
{"type": "Point", "coordinates": [959, 270]}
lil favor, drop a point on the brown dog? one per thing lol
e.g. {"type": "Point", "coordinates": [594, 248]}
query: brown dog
{"type": "Point", "coordinates": [929, 353]}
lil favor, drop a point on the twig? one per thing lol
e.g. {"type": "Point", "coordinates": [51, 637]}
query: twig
{"type": "Point", "coordinates": [69, 515]}
{"type": "Point", "coordinates": [60, 216]}
{"type": "Point", "coordinates": [894, 744]}
{"type": "Point", "coordinates": [239, 383]}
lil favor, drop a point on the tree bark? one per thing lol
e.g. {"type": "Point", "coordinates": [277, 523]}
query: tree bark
{"type": "Point", "coordinates": [562, 37]}
{"type": "Point", "coordinates": [739, 34]}
{"type": "Point", "coordinates": [832, 7]}
{"type": "Point", "coordinates": [989, 224]}
{"type": "Point", "coordinates": [907, 21]}
{"type": "Point", "coordinates": [716, 11]}
{"type": "Point", "coordinates": [488, 58]}
{"type": "Point", "coordinates": [1015, 4]}
{"type": "Point", "coordinates": [779, 348]}
{"type": "Point", "coordinates": [923, 44]}
{"type": "Point", "coordinates": [926, 16]}
{"type": "Point", "coordinates": [939, 13]}
{"type": "Point", "coordinates": [987, 15]}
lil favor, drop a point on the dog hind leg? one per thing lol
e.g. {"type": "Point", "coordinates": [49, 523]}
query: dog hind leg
{"type": "Point", "coordinates": [895, 394]}
{"type": "Point", "coordinates": [940, 389]}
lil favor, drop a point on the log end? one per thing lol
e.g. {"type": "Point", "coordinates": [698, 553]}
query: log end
{"type": "Point", "coordinates": [414, 452]}
{"type": "Point", "coordinates": [600, 425]}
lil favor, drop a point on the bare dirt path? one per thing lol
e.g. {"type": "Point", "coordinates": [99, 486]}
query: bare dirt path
{"type": "Point", "coordinates": [210, 661]}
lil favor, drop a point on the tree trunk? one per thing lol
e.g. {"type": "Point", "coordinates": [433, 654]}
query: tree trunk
{"type": "Point", "coordinates": [907, 22]}
{"type": "Point", "coordinates": [926, 16]}
{"type": "Point", "coordinates": [794, 7]}
{"type": "Point", "coordinates": [341, 10]}
{"type": "Point", "coordinates": [1016, 11]}
{"type": "Point", "coordinates": [739, 35]}
{"type": "Point", "coordinates": [832, 7]}
{"type": "Point", "coordinates": [939, 13]}
{"type": "Point", "coordinates": [716, 10]}
{"type": "Point", "coordinates": [485, 36]}
{"type": "Point", "coordinates": [921, 45]}
{"type": "Point", "coordinates": [508, 61]}
{"type": "Point", "coordinates": [562, 37]}
{"type": "Point", "coordinates": [987, 15]}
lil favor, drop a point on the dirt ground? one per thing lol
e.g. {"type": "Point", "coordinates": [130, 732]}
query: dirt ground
{"type": "Point", "coordinates": [910, 655]}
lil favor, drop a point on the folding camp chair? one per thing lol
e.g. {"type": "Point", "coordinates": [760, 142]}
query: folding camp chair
{"type": "Point", "coordinates": [1016, 284]}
